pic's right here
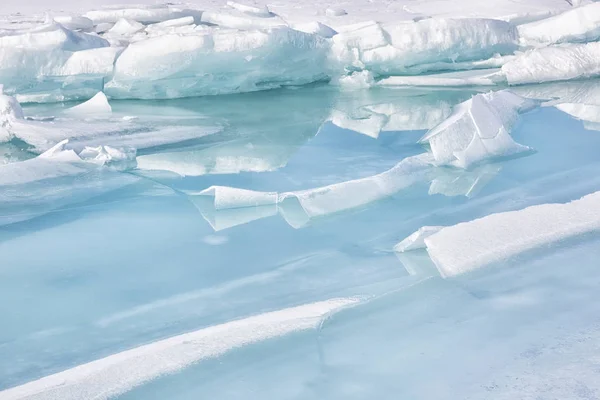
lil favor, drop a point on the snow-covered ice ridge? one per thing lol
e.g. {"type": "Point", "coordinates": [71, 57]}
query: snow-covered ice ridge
{"type": "Point", "coordinates": [217, 48]}
{"type": "Point", "coordinates": [470, 245]}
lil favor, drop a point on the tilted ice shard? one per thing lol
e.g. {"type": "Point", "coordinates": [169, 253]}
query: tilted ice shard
{"type": "Point", "coordinates": [417, 239]}
{"type": "Point", "coordinates": [216, 62]}
{"type": "Point", "coordinates": [470, 245]}
{"type": "Point", "coordinates": [350, 194]}
{"type": "Point", "coordinates": [299, 207]}
{"type": "Point", "coordinates": [478, 130]}
{"type": "Point", "coordinates": [393, 48]}
{"type": "Point", "coordinates": [104, 378]}
{"type": "Point", "coordinates": [580, 24]}
{"type": "Point", "coordinates": [558, 63]}
{"type": "Point", "coordinates": [97, 105]}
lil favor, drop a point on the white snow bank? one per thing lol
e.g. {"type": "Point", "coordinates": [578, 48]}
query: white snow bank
{"type": "Point", "coordinates": [97, 105]}
{"type": "Point", "coordinates": [260, 11]}
{"type": "Point", "coordinates": [315, 28]}
{"type": "Point", "coordinates": [554, 64]}
{"type": "Point", "coordinates": [105, 378]}
{"type": "Point", "coordinates": [143, 14]}
{"type": "Point", "coordinates": [395, 47]}
{"type": "Point", "coordinates": [217, 62]}
{"type": "Point", "coordinates": [240, 20]}
{"type": "Point", "coordinates": [478, 129]}
{"type": "Point", "coordinates": [581, 24]}
{"type": "Point", "coordinates": [48, 37]}
{"type": "Point", "coordinates": [467, 246]}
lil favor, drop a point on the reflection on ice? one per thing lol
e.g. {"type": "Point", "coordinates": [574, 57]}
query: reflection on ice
{"type": "Point", "coordinates": [380, 110]}
{"type": "Point", "coordinates": [57, 178]}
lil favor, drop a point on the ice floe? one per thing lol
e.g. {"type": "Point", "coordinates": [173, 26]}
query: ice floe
{"type": "Point", "coordinates": [220, 62]}
{"type": "Point", "coordinates": [467, 246]}
{"type": "Point", "coordinates": [104, 378]}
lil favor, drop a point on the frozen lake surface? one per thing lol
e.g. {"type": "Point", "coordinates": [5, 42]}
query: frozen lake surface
{"type": "Point", "coordinates": [136, 257]}
{"type": "Point", "coordinates": [300, 200]}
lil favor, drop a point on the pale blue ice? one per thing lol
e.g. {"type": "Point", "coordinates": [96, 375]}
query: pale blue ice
{"type": "Point", "coordinates": [94, 266]}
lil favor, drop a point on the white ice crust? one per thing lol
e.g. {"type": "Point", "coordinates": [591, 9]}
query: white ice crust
{"type": "Point", "coordinates": [470, 245]}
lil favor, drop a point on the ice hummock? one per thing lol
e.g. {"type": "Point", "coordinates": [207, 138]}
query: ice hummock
{"type": "Point", "coordinates": [581, 24]}
{"type": "Point", "coordinates": [218, 62]}
{"type": "Point", "coordinates": [166, 51]}
{"type": "Point", "coordinates": [470, 245]}
{"type": "Point", "coordinates": [478, 129]}
{"type": "Point", "coordinates": [555, 63]}
{"type": "Point", "coordinates": [393, 48]}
